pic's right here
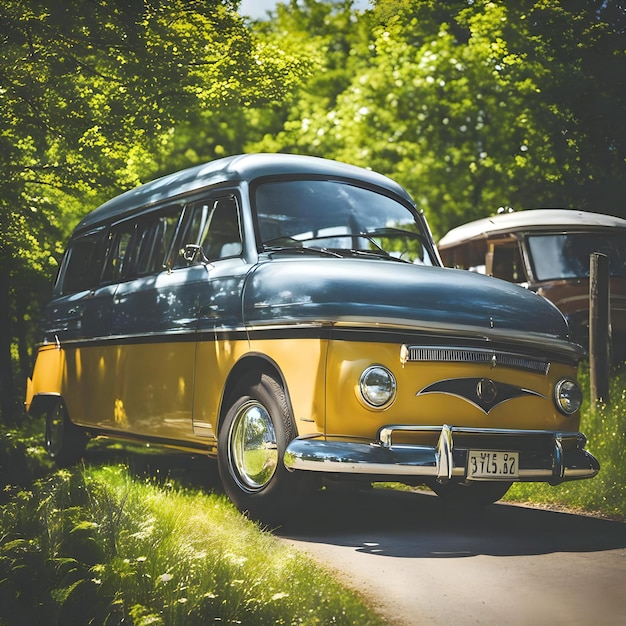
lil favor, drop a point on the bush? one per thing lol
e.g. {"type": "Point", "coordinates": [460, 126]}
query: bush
{"type": "Point", "coordinates": [95, 545]}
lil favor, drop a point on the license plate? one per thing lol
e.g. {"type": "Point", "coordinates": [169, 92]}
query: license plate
{"type": "Point", "coordinates": [490, 464]}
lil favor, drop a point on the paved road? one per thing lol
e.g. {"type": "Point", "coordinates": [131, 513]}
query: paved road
{"type": "Point", "coordinates": [422, 563]}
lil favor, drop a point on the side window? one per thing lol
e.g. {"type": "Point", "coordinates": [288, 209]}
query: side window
{"type": "Point", "coordinates": [129, 249]}
{"type": "Point", "coordinates": [140, 246]}
{"type": "Point", "coordinates": [85, 258]}
{"type": "Point", "coordinates": [222, 238]}
{"type": "Point", "coordinates": [215, 226]}
{"type": "Point", "coordinates": [507, 263]}
{"type": "Point", "coordinates": [144, 236]}
{"type": "Point", "coordinates": [119, 258]}
{"type": "Point", "coordinates": [469, 255]}
{"type": "Point", "coordinates": [156, 239]}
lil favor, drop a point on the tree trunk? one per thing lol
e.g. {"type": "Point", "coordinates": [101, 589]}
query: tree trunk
{"type": "Point", "coordinates": [7, 390]}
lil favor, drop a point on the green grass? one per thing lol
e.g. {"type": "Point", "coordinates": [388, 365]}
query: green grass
{"type": "Point", "coordinates": [605, 428]}
{"type": "Point", "coordinates": [97, 545]}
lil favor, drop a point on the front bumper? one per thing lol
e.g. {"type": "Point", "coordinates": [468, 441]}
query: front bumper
{"type": "Point", "coordinates": [546, 456]}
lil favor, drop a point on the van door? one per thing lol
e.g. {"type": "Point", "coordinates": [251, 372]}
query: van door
{"type": "Point", "coordinates": [79, 322]}
{"type": "Point", "coordinates": [151, 359]}
{"type": "Point", "coordinates": [156, 317]}
{"type": "Point", "coordinates": [221, 336]}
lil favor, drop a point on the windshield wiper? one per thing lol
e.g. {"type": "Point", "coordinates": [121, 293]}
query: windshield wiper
{"type": "Point", "coordinates": [377, 254]}
{"type": "Point", "coordinates": [390, 231]}
{"type": "Point", "coordinates": [377, 251]}
{"type": "Point", "coordinates": [298, 248]}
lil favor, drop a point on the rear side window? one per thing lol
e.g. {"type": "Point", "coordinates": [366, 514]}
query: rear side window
{"type": "Point", "coordinates": [131, 248]}
{"type": "Point", "coordinates": [507, 263]}
{"type": "Point", "coordinates": [119, 261]}
{"type": "Point", "coordinates": [140, 246]}
{"type": "Point", "coordinates": [154, 242]}
{"type": "Point", "coordinates": [469, 255]}
{"type": "Point", "coordinates": [83, 264]}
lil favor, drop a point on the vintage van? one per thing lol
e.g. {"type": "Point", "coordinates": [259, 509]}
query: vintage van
{"type": "Point", "coordinates": [547, 251]}
{"type": "Point", "coordinates": [290, 316]}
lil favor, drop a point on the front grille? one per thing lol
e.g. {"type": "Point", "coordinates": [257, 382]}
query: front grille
{"type": "Point", "coordinates": [495, 358]}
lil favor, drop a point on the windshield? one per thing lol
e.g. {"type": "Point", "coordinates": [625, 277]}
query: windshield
{"type": "Point", "coordinates": [337, 218]}
{"type": "Point", "coordinates": [567, 255]}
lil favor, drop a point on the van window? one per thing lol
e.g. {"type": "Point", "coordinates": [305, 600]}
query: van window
{"type": "Point", "coordinates": [139, 247]}
{"type": "Point", "coordinates": [566, 255]}
{"type": "Point", "coordinates": [155, 242]}
{"type": "Point", "coordinates": [469, 255]}
{"type": "Point", "coordinates": [118, 261]}
{"type": "Point", "coordinates": [222, 238]}
{"type": "Point", "coordinates": [507, 263]}
{"type": "Point", "coordinates": [338, 216]}
{"type": "Point", "coordinates": [215, 226]}
{"type": "Point", "coordinates": [83, 266]}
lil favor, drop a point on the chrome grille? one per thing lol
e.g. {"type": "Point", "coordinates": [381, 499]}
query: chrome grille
{"type": "Point", "coordinates": [496, 358]}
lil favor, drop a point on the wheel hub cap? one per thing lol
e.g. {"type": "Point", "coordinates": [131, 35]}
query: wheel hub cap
{"type": "Point", "coordinates": [253, 447]}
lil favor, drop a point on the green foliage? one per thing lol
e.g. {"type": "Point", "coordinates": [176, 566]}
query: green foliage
{"type": "Point", "coordinates": [99, 546]}
{"type": "Point", "coordinates": [336, 44]}
{"type": "Point", "coordinates": [91, 95]}
{"type": "Point", "coordinates": [94, 92]}
{"type": "Point", "coordinates": [22, 458]}
{"type": "Point", "coordinates": [471, 105]}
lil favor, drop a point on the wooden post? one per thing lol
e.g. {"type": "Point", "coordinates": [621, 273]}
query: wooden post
{"type": "Point", "coordinates": [599, 311]}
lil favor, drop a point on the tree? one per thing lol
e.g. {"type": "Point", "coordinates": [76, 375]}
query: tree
{"type": "Point", "coordinates": [474, 105]}
{"type": "Point", "coordinates": [334, 40]}
{"type": "Point", "coordinates": [91, 91]}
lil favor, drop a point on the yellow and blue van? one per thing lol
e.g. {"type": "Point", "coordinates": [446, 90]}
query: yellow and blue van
{"type": "Point", "coordinates": [290, 316]}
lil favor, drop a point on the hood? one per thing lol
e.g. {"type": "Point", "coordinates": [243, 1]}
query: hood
{"type": "Point", "coordinates": [414, 296]}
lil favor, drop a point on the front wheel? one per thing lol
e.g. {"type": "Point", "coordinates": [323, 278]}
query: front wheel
{"type": "Point", "coordinates": [64, 441]}
{"type": "Point", "coordinates": [251, 444]}
{"type": "Point", "coordinates": [471, 494]}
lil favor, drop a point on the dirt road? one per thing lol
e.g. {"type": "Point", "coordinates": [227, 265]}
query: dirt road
{"type": "Point", "coordinates": [422, 563]}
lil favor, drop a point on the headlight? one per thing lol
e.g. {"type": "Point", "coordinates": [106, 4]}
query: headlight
{"type": "Point", "coordinates": [378, 386]}
{"type": "Point", "coordinates": [567, 396]}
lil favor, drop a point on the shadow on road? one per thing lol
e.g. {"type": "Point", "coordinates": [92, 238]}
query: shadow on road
{"type": "Point", "coordinates": [416, 524]}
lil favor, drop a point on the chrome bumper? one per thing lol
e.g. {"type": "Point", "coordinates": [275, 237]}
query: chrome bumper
{"type": "Point", "coordinates": [546, 456]}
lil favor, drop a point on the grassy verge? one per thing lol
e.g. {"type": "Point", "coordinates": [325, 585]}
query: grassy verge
{"type": "Point", "coordinates": [97, 545]}
{"type": "Point", "coordinates": [605, 428]}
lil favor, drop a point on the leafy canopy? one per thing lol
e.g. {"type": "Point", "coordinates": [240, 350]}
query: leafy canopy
{"type": "Point", "coordinates": [470, 105]}
{"type": "Point", "coordinates": [92, 90]}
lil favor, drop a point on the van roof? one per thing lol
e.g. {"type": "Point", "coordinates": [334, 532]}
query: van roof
{"type": "Point", "coordinates": [532, 220]}
{"type": "Point", "coordinates": [230, 169]}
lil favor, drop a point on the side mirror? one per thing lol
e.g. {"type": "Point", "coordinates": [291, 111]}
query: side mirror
{"type": "Point", "coordinates": [193, 254]}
